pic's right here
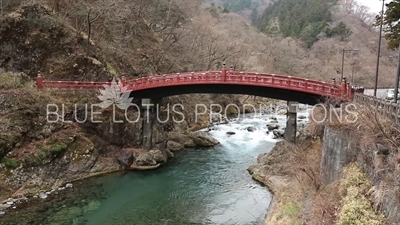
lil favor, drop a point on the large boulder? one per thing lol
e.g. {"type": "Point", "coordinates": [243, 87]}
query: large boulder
{"type": "Point", "coordinates": [278, 134]}
{"type": "Point", "coordinates": [203, 139]}
{"type": "Point", "coordinates": [125, 158]}
{"type": "Point", "coordinates": [145, 159]}
{"type": "Point", "coordinates": [272, 126]}
{"type": "Point", "coordinates": [158, 156]}
{"type": "Point", "coordinates": [170, 154]}
{"type": "Point", "coordinates": [175, 146]}
{"type": "Point", "coordinates": [183, 139]}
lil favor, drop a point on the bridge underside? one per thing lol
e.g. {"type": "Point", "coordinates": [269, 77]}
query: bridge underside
{"type": "Point", "coordinates": [268, 92]}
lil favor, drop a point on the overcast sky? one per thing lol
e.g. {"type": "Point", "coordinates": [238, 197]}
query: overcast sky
{"type": "Point", "coordinates": [374, 5]}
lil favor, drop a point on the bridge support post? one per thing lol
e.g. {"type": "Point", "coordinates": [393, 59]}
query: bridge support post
{"type": "Point", "coordinates": [224, 72]}
{"type": "Point", "coordinates": [148, 120]}
{"type": "Point", "coordinates": [343, 87]}
{"type": "Point", "coordinates": [291, 122]}
{"type": "Point", "coordinates": [39, 82]}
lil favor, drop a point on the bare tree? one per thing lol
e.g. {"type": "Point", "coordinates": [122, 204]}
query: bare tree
{"type": "Point", "coordinates": [348, 5]}
{"type": "Point", "coordinates": [90, 21]}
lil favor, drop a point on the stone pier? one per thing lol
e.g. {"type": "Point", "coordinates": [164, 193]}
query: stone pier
{"type": "Point", "coordinates": [291, 122]}
{"type": "Point", "coordinates": [148, 113]}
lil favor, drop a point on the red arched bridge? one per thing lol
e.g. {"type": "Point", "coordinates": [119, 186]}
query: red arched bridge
{"type": "Point", "coordinates": [223, 82]}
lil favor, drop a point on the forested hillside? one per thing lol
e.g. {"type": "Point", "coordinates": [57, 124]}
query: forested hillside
{"type": "Point", "coordinates": [303, 19]}
{"type": "Point", "coordinates": [240, 5]}
{"type": "Point", "coordinates": [138, 38]}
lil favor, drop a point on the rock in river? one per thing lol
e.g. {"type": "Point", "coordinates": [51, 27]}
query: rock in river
{"type": "Point", "coordinates": [278, 134]}
{"type": "Point", "coordinates": [251, 129]}
{"type": "Point", "coordinates": [158, 156]}
{"type": "Point", "coordinates": [183, 139]}
{"type": "Point", "coordinates": [203, 139]}
{"type": "Point", "coordinates": [273, 126]}
{"type": "Point", "coordinates": [174, 146]}
{"type": "Point", "coordinates": [125, 158]}
{"type": "Point", "coordinates": [145, 159]}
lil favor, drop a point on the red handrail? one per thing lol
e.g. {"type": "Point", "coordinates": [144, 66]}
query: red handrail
{"type": "Point", "coordinates": [208, 77]}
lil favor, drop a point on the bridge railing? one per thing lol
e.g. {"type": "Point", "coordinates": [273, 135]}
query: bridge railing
{"type": "Point", "coordinates": [384, 107]}
{"type": "Point", "coordinates": [212, 77]}
{"type": "Point", "coordinates": [285, 82]}
{"type": "Point", "coordinates": [234, 77]}
{"type": "Point", "coordinates": [69, 85]}
{"type": "Point", "coordinates": [174, 79]}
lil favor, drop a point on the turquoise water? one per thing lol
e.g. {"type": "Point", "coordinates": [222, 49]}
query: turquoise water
{"type": "Point", "coordinates": [198, 186]}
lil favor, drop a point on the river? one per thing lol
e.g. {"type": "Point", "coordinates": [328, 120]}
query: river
{"type": "Point", "coordinates": [198, 186]}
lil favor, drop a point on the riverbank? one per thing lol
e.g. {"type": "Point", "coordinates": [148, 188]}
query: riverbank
{"type": "Point", "coordinates": [291, 173]}
{"type": "Point", "coordinates": [326, 178]}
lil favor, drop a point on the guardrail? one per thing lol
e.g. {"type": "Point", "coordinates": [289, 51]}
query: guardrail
{"type": "Point", "coordinates": [384, 107]}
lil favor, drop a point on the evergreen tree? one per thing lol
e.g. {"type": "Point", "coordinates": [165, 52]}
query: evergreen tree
{"type": "Point", "coordinates": [226, 10]}
{"type": "Point", "coordinates": [340, 30]}
{"type": "Point", "coordinates": [391, 20]}
{"type": "Point", "coordinates": [304, 19]}
{"type": "Point", "coordinates": [254, 16]}
{"type": "Point", "coordinates": [213, 10]}
{"type": "Point", "coordinates": [237, 5]}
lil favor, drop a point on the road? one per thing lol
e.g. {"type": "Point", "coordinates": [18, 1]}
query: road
{"type": "Point", "coordinates": [380, 93]}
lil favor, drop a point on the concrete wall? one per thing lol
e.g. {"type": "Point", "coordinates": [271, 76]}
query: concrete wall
{"type": "Point", "coordinates": [338, 150]}
{"type": "Point", "coordinates": [341, 147]}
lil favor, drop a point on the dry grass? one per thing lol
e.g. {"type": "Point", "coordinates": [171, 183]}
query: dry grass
{"type": "Point", "coordinates": [356, 207]}
{"type": "Point", "coordinates": [378, 127]}
{"type": "Point", "coordinates": [292, 172]}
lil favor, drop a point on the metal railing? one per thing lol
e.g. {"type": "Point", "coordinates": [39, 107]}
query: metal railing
{"type": "Point", "coordinates": [384, 107]}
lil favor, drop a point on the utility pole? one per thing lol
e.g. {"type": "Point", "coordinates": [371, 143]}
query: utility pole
{"type": "Point", "coordinates": [352, 73]}
{"type": "Point", "coordinates": [341, 77]}
{"type": "Point", "coordinates": [379, 50]}
{"type": "Point", "coordinates": [354, 51]}
{"type": "Point", "coordinates": [396, 85]}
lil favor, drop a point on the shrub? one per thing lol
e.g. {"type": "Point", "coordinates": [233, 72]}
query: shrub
{"type": "Point", "coordinates": [54, 150]}
{"type": "Point", "coordinates": [356, 208]}
{"type": "Point", "coordinates": [354, 177]}
{"type": "Point", "coordinates": [291, 209]}
{"type": "Point", "coordinates": [10, 163]}
{"type": "Point", "coordinates": [9, 81]}
{"type": "Point", "coordinates": [34, 160]}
